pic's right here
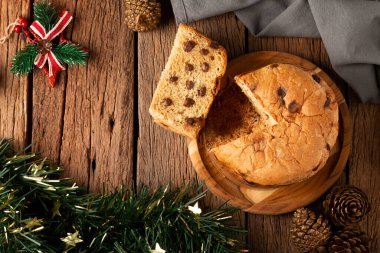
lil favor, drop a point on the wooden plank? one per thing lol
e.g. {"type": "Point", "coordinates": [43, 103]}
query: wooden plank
{"type": "Point", "coordinates": [271, 233]}
{"type": "Point", "coordinates": [86, 122]}
{"type": "Point", "coordinates": [228, 31]}
{"type": "Point", "coordinates": [364, 162]}
{"type": "Point", "coordinates": [48, 105]}
{"type": "Point", "coordinates": [14, 99]}
{"type": "Point", "coordinates": [162, 156]}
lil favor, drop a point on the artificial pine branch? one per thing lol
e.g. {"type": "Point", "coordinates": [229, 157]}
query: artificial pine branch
{"type": "Point", "coordinates": [41, 213]}
{"type": "Point", "coordinates": [70, 54]}
{"type": "Point", "coordinates": [45, 14]}
{"type": "Point", "coordinates": [23, 61]}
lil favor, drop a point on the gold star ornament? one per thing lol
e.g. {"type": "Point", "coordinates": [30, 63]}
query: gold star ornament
{"type": "Point", "coordinates": [71, 240]}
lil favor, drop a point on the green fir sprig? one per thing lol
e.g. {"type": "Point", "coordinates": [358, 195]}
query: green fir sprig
{"type": "Point", "coordinates": [70, 54]}
{"type": "Point", "coordinates": [45, 14]}
{"type": "Point", "coordinates": [40, 212]}
{"type": "Point", "coordinates": [23, 61]}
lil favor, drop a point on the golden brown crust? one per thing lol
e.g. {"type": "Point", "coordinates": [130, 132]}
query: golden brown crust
{"type": "Point", "coordinates": [301, 115]}
{"type": "Point", "coordinates": [189, 82]}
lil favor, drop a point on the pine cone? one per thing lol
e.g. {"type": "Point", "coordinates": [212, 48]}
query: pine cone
{"type": "Point", "coordinates": [346, 205]}
{"type": "Point", "coordinates": [142, 15]}
{"type": "Point", "coordinates": [348, 240]}
{"type": "Point", "coordinates": [308, 231]}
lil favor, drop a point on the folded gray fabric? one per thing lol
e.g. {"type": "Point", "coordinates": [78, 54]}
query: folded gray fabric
{"type": "Point", "coordinates": [350, 30]}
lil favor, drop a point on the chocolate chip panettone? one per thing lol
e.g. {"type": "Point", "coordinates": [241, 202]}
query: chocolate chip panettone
{"type": "Point", "coordinates": [189, 82]}
{"type": "Point", "coordinates": [300, 115]}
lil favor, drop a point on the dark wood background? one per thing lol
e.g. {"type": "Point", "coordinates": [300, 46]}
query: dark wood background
{"type": "Point", "coordinates": [96, 122]}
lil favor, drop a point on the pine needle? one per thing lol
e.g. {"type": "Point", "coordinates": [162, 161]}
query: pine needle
{"type": "Point", "coordinates": [23, 61]}
{"type": "Point", "coordinates": [125, 221]}
{"type": "Point", "coordinates": [70, 54]}
{"type": "Point", "coordinates": [45, 14]}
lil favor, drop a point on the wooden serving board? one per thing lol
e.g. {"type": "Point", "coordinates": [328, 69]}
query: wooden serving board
{"type": "Point", "coordinates": [273, 200]}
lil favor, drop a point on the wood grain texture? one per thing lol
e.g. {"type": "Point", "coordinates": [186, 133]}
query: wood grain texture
{"type": "Point", "coordinates": [99, 99]}
{"type": "Point", "coordinates": [48, 104]}
{"type": "Point", "coordinates": [230, 32]}
{"type": "Point", "coordinates": [162, 156]}
{"type": "Point", "coordinates": [14, 99]}
{"type": "Point", "coordinates": [364, 163]}
{"type": "Point", "coordinates": [86, 122]}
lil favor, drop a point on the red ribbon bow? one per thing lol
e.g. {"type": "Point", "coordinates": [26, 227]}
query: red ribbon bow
{"type": "Point", "coordinates": [44, 39]}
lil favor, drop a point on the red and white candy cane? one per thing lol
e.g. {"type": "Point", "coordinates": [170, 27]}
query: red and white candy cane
{"type": "Point", "coordinates": [45, 38]}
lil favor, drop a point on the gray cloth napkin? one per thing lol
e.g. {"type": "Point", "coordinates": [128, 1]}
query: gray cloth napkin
{"type": "Point", "coordinates": [350, 30]}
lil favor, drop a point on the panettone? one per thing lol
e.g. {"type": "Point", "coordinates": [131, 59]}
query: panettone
{"type": "Point", "coordinates": [299, 118]}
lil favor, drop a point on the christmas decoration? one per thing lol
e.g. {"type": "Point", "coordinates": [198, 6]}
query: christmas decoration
{"type": "Point", "coordinates": [349, 240]}
{"type": "Point", "coordinates": [71, 240]}
{"type": "Point", "coordinates": [142, 15]}
{"type": "Point", "coordinates": [157, 249]}
{"type": "Point", "coordinates": [195, 209]}
{"type": "Point", "coordinates": [346, 205]}
{"type": "Point", "coordinates": [308, 231]}
{"type": "Point", "coordinates": [39, 212]}
{"type": "Point", "coordinates": [47, 48]}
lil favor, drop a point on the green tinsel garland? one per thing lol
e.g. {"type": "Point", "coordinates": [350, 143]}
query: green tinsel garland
{"type": "Point", "coordinates": [39, 212]}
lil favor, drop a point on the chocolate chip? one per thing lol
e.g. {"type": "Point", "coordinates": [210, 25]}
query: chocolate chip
{"type": "Point", "coordinates": [188, 46]}
{"type": "Point", "coordinates": [252, 87]}
{"type": "Point", "coordinates": [214, 45]}
{"type": "Point", "coordinates": [189, 84]}
{"type": "Point", "coordinates": [294, 107]}
{"type": "Point", "coordinates": [327, 102]}
{"type": "Point", "coordinates": [328, 147]}
{"type": "Point", "coordinates": [281, 92]}
{"type": "Point", "coordinates": [189, 67]}
{"type": "Point", "coordinates": [188, 102]}
{"type": "Point", "coordinates": [190, 121]}
{"type": "Point", "coordinates": [212, 58]}
{"type": "Point", "coordinates": [275, 65]}
{"type": "Point", "coordinates": [167, 102]}
{"type": "Point", "coordinates": [173, 79]}
{"type": "Point", "coordinates": [202, 91]}
{"type": "Point", "coordinates": [205, 67]}
{"type": "Point", "coordinates": [204, 51]}
{"type": "Point", "coordinates": [316, 78]}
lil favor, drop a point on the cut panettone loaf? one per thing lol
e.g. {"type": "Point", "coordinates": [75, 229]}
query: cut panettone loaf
{"type": "Point", "coordinates": [189, 82]}
{"type": "Point", "coordinates": [300, 115]}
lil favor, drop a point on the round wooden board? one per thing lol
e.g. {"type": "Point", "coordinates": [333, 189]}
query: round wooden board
{"type": "Point", "coordinates": [279, 199]}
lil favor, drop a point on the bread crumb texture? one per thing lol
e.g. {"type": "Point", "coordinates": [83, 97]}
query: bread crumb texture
{"type": "Point", "coordinates": [189, 82]}
{"type": "Point", "coordinates": [298, 126]}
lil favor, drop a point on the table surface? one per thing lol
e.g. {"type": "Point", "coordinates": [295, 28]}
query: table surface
{"type": "Point", "coordinates": [96, 121]}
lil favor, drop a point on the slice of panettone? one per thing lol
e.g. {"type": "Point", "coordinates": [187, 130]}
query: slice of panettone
{"type": "Point", "coordinates": [189, 82]}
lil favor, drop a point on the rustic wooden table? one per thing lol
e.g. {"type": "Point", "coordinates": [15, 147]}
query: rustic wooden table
{"type": "Point", "coordinates": [96, 122]}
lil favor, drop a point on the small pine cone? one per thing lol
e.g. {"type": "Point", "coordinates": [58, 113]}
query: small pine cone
{"type": "Point", "coordinates": [348, 240]}
{"type": "Point", "coordinates": [142, 15]}
{"type": "Point", "coordinates": [308, 231]}
{"type": "Point", "coordinates": [346, 205]}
